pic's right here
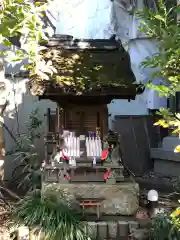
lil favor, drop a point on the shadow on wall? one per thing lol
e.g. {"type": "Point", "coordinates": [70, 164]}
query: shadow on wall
{"type": "Point", "coordinates": [16, 116]}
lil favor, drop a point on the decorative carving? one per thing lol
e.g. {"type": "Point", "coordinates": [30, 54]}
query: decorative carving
{"type": "Point", "coordinates": [111, 179]}
{"type": "Point", "coordinates": [63, 176]}
{"type": "Point", "coordinates": [112, 144]}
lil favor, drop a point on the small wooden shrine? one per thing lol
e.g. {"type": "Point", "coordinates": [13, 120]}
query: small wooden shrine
{"type": "Point", "coordinates": [78, 146]}
{"type": "Point", "coordinates": [90, 73]}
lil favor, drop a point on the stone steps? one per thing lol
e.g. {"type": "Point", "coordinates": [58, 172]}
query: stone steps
{"type": "Point", "coordinates": [119, 230]}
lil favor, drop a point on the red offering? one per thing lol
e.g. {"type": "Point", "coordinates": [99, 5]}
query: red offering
{"type": "Point", "coordinates": [104, 154]}
{"type": "Point", "coordinates": [68, 177]}
{"type": "Point", "coordinates": [64, 156]}
{"type": "Point", "coordinates": [106, 175]}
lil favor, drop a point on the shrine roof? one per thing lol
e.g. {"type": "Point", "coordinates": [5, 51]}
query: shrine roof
{"type": "Point", "coordinates": [86, 68]}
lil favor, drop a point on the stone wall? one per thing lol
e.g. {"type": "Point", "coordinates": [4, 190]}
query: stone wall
{"type": "Point", "coordinates": [119, 199]}
{"type": "Point", "coordinates": [166, 161]}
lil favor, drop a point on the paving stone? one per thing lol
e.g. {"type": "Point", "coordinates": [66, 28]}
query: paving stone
{"type": "Point", "coordinates": [93, 229]}
{"type": "Point", "coordinates": [112, 229]}
{"type": "Point", "coordinates": [102, 230]}
{"type": "Point", "coordinates": [123, 229]}
{"type": "Point", "coordinates": [133, 225]}
{"type": "Point", "coordinates": [140, 234]}
{"type": "Point", "coordinates": [146, 223]}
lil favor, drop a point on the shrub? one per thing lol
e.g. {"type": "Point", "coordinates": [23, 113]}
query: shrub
{"type": "Point", "coordinates": [164, 228]}
{"type": "Point", "coordinates": [51, 213]}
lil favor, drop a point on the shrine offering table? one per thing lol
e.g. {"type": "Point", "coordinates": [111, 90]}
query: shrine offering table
{"type": "Point", "coordinates": [83, 173]}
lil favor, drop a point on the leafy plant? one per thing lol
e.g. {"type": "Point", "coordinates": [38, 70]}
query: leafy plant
{"type": "Point", "coordinates": [170, 120]}
{"type": "Point", "coordinates": [162, 26]}
{"type": "Point", "coordinates": [163, 228]}
{"type": "Point", "coordinates": [26, 153]}
{"type": "Point", "coordinates": [22, 22]}
{"type": "Point", "coordinates": [52, 214]}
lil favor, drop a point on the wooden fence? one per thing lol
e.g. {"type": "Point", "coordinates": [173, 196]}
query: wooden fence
{"type": "Point", "coordinates": [138, 135]}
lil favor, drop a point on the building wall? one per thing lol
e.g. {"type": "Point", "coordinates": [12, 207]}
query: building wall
{"type": "Point", "coordinates": [16, 116]}
{"type": "Point", "coordinates": [124, 107]}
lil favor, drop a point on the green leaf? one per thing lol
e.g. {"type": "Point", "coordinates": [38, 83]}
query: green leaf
{"type": "Point", "coordinates": [159, 17]}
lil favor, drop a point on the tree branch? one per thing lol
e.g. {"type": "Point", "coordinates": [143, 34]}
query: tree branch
{"type": "Point", "coordinates": [3, 107]}
{"type": "Point", "coordinates": [10, 133]}
{"type": "Point", "coordinates": [12, 194]}
{"type": "Point", "coordinates": [176, 117]}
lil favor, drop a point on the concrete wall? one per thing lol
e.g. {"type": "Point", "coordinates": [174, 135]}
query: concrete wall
{"type": "Point", "coordinates": [21, 105]}
{"type": "Point", "coordinates": [124, 107]}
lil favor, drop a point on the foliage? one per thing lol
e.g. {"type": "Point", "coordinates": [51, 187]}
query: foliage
{"type": "Point", "coordinates": [26, 153]}
{"type": "Point", "coordinates": [162, 25]}
{"type": "Point", "coordinates": [175, 215]}
{"type": "Point", "coordinates": [164, 229]}
{"type": "Point", "coordinates": [52, 213]}
{"type": "Point", "coordinates": [170, 120]}
{"type": "Point", "coordinates": [21, 21]}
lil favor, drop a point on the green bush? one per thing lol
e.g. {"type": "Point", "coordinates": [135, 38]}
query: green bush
{"type": "Point", "coordinates": [51, 213]}
{"type": "Point", "coordinates": [164, 228]}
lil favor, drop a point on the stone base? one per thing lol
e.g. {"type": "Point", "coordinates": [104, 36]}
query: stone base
{"type": "Point", "coordinates": [170, 142]}
{"type": "Point", "coordinates": [166, 168]}
{"type": "Point", "coordinates": [119, 199]}
{"type": "Point", "coordinates": [166, 162]}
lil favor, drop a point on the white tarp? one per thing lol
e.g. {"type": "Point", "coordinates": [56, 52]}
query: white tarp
{"type": "Point", "coordinates": [82, 18]}
{"type": "Point", "coordinates": [138, 50]}
{"type": "Point", "coordinates": [126, 25]}
{"type": "Point", "coordinates": [124, 20]}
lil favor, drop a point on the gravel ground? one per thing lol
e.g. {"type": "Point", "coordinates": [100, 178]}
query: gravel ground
{"type": "Point", "coordinates": [4, 232]}
{"type": "Point", "coordinates": [154, 175]}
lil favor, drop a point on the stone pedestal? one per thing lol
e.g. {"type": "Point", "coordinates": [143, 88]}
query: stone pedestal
{"type": "Point", "coordinates": [170, 142]}
{"type": "Point", "coordinates": [166, 161]}
{"type": "Point", "coordinates": [119, 199]}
